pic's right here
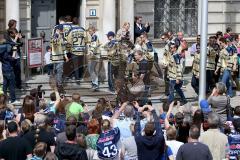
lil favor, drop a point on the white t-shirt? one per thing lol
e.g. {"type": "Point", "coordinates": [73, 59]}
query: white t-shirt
{"type": "Point", "coordinates": [174, 145]}
{"type": "Point", "coordinates": [47, 58]}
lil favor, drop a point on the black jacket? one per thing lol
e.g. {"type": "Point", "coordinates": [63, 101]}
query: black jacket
{"type": "Point", "coordinates": [67, 151]}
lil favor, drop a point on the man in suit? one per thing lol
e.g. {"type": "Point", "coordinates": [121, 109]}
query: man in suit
{"type": "Point", "coordinates": [139, 28]}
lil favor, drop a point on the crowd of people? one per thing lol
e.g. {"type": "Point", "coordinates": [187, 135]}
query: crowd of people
{"type": "Point", "coordinates": [129, 129]}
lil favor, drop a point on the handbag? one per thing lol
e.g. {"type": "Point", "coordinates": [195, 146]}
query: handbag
{"type": "Point", "coordinates": [137, 87]}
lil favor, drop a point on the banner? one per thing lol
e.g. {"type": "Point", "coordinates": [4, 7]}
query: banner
{"type": "Point", "coordinates": [35, 52]}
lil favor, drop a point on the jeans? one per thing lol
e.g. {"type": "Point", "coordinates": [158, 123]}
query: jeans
{"type": "Point", "coordinates": [17, 72]}
{"type": "Point", "coordinates": [9, 82]}
{"type": "Point", "coordinates": [93, 70]}
{"type": "Point", "coordinates": [49, 69]}
{"type": "Point", "coordinates": [195, 84]}
{"type": "Point", "coordinates": [115, 72]}
{"type": "Point", "coordinates": [112, 74]}
{"type": "Point", "coordinates": [210, 82]}
{"type": "Point", "coordinates": [76, 65]}
{"type": "Point", "coordinates": [227, 80]}
{"type": "Point", "coordinates": [59, 72]}
{"type": "Point", "coordinates": [174, 86]}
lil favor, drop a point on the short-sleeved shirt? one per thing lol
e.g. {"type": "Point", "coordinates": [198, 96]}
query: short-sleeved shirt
{"type": "Point", "coordinates": [75, 108]}
{"type": "Point", "coordinates": [14, 148]}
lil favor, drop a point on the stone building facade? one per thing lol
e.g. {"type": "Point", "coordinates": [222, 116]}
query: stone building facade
{"type": "Point", "coordinates": [36, 16]}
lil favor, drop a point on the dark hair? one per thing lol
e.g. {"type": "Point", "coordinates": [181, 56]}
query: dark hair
{"type": "Point", "coordinates": [12, 31]}
{"type": "Point", "coordinates": [75, 20]}
{"type": "Point", "coordinates": [71, 120]}
{"type": "Point", "coordinates": [71, 132]}
{"type": "Point", "coordinates": [53, 96]}
{"type": "Point", "coordinates": [11, 23]}
{"type": "Point", "coordinates": [12, 127]}
{"type": "Point", "coordinates": [219, 33]}
{"type": "Point", "coordinates": [237, 110]}
{"type": "Point", "coordinates": [236, 124]}
{"type": "Point", "coordinates": [194, 132]}
{"type": "Point", "coordinates": [149, 129]}
{"type": "Point", "coordinates": [68, 18]}
{"type": "Point", "coordinates": [198, 118]}
{"type": "Point", "coordinates": [223, 40]}
{"type": "Point", "coordinates": [228, 29]}
{"type": "Point", "coordinates": [40, 149]}
{"type": "Point", "coordinates": [29, 108]}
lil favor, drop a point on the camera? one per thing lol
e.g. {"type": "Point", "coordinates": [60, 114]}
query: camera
{"type": "Point", "coordinates": [23, 36]}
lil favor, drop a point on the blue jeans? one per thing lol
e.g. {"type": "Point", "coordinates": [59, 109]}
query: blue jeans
{"type": "Point", "coordinates": [49, 68]}
{"type": "Point", "coordinates": [174, 86]}
{"type": "Point", "coordinates": [227, 80]}
{"type": "Point", "coordinates": [9, 82]}
{"type": "Point", "coordinates": [93, 70]}
{"type": "Point", "coordinates": [59, 72]}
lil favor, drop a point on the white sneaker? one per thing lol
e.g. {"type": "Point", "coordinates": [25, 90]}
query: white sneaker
{"type": "Point", "coordinates": [16, 102]}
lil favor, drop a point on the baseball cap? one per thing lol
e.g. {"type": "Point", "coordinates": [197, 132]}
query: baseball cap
{"type": "Point", "coordinates": [205, 106]}
{"type": "Point", "coordinates": [110, 33]}
{"type": "Point", "coordinates": [60, 27]}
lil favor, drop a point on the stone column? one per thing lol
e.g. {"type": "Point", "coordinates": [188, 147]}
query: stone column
{"type": "Point", "coordinates": [181, 15]}
{"type": "Point", "coordinates": [83, 13]}
{"type": "Point", "coordinates": [127, 14]}
{"type": "Point", "coordinates": [109, 18]}
{"type": "Point", "coordinates": [12, 11]}
{"type": "Point", "coordinates": [166, 15]}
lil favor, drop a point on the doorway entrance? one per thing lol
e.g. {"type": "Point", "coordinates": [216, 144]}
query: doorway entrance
{"type": "Point", "coordinates": [71, 8]}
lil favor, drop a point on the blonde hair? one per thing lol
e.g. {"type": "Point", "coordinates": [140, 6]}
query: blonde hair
{"type": "Point", "coordinates": [125, 24]}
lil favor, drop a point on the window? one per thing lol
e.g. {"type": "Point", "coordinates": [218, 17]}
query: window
{"type": "Point", "coordinates": [175, 15]}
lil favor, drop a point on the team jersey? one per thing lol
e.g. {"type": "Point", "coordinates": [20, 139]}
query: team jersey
{"type": "Point", "coordinates": [57, 44]}
{"type": "Point", "coordinates": [95, 47]}
{"type": "Point", "coordinates": [107, 144]}
{"type": "Point", "coordinates": [77, 41]}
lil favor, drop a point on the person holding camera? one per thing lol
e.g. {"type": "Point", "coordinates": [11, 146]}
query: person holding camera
{"type": "Point", "coordinates": [7, 54]}
{"type": "Point", "coordinates": [14, 37]}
